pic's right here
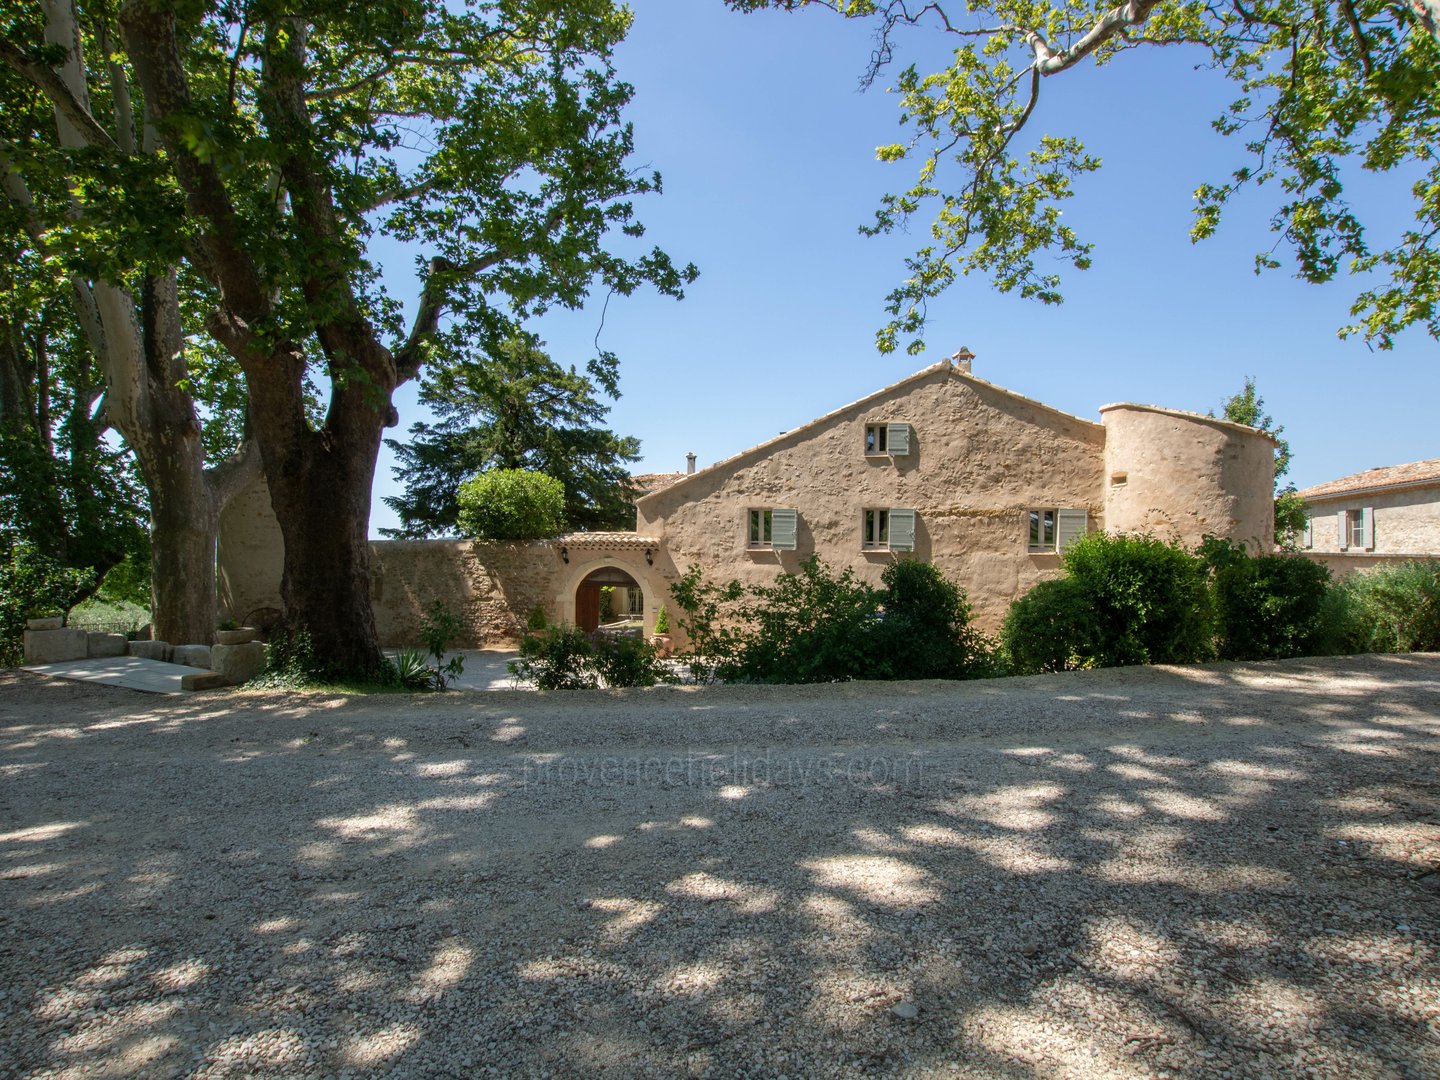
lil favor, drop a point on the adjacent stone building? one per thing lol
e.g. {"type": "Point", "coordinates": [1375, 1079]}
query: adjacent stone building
{"type": "Point", "coordinates": [942, 466]}
{"type": "Point", "coordinates": [1387, 514]}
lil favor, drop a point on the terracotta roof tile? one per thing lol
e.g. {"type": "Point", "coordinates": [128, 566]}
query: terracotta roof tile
{"type": "Point", "coordinates": [645, 483]}
{"type": "Point", "coordinates": [606, 541]}
{"type": "Point", "coordinates": [1416, 472]}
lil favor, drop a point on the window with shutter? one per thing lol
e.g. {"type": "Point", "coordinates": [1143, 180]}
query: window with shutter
{"type": "Point", "coordinates": [762, 528]}
{"type": "Point", "coordinates": [1309, 534]}
{"type": "Point", "coordinates": [1344, 522]}
{"type": "Point", "coordinates": [902, 530]}
{"type": "Point", "coordinates": [1367, 528]}
{"type": "Point", "coordinates": [899, 439]}
{"type": "Point", "coordinates": [875, 532]}
{"type": "Point", "coordinates": [1071, 526]}
{"type": "Point", "coordinates": [784, 528]}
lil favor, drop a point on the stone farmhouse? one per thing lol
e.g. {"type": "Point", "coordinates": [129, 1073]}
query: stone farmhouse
{"type": "Point", "coordinates": [942, 466]}
{"type": "Point", "coordinates": [1377, 516]}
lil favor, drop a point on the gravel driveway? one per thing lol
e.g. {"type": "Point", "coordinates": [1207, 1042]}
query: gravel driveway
{"type": "Point", "coordinates": [1214, 871]}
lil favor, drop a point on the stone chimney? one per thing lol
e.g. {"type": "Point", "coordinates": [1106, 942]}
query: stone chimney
{"type": "Point", "coordinates": [962, 359]}
{"type": "Point", "coordinates": [689, 463]}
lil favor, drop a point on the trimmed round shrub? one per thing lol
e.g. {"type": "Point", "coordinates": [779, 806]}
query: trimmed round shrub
{"type": "Point", "coordinates": [511, 504]}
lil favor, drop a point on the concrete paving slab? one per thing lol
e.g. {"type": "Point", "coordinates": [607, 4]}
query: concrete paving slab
{"type": "Point", "coordinates": [131, 672]}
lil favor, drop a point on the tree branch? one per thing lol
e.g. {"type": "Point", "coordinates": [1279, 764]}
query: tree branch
{"type": "Point", "coordinates": [49, 83]}
{"type": "Point", "coordinates": [443, 274]}
{"type": "Point", "coordinates": [1049, 62]}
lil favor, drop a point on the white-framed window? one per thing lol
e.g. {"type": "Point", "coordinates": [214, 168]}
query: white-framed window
{"type": "Point", "coordinates": [877, 438]}
{"type": "Point", "coordinates": [1042, 530]}
{"type": "Point", "coordinates": [762, 528]}
{"type": "Point", "coordinates": [636, 602]}
{"type": "Point", "coordinates": [1357, 529]}
{"type": "Point", "coordinates": [887, 439]}
{"type": "Point", "coordinates": [775, 528]}
{"type": "Point", "coordinates": [1052, 531]}
{"type": "Point", "coordinates": [876, 532]}
{"type": "Point", "coordinates": [888, 529]}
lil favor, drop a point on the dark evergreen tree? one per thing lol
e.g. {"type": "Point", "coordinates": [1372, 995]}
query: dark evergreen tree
{"type": "Point", "coordinates": [514, 409]}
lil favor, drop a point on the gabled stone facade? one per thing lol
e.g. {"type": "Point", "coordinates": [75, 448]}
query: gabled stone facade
{"type": "Point", "coordinates": [997, 484]}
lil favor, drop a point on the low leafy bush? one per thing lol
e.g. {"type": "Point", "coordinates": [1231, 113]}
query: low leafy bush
{"type": "Point", "coordinates": [925, 631]}
{"type": "Point", "coordinates": [1050, 628]}
{"type": "Point", "coordinates": [822, 626]}
{"type": "Point", "coordinates": [1151, 601]}
{"type": "Point", "coordinates": [1267, 607]}
{"type": "Point", "coordinates": [560, 658]}
{"type": "Point", "coordinates": [567, 658]}
{"type": "Point", "coordinates": [290, 662]}
{"type": "Point", "coordinates": [1393, 608]}
{"type": "Point", "coordinates": [625, 660]}
{"type": "Point", "coordinates": [813, 626]}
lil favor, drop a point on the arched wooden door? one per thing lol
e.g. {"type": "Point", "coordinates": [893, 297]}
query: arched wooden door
{"type": "Point", "coordinates": [587, 594]}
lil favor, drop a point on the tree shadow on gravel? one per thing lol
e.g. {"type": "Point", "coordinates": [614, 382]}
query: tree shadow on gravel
{"type": "Point", "coordinates": [1202, 871]}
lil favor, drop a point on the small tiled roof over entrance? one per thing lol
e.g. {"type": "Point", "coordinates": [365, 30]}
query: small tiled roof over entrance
{"type": "Point", "coordinates": [605, 541]}
{"type": "Point", "coordinates": [1416, 473]}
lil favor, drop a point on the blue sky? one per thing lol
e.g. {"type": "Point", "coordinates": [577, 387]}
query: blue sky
{"type": "Point", "coordinates": [767, 151]}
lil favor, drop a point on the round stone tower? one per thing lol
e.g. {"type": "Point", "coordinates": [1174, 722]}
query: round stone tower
{"type": "Point", "coordinates": [1183, 475]}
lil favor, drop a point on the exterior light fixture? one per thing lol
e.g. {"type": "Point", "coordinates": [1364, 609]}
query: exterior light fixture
{"type": "Point", "coordinates": [565, 555]}
{"type": "Point", "coordinates": [649, 557]}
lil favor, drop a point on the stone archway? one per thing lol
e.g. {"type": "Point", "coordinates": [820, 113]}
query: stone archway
{"type": "Point", "coordinates": [625, 555]}
{"type": "Point", "coordinates": [588, 613]}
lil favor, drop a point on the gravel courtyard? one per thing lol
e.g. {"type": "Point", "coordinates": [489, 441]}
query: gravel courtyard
{"type": "Point", "coordinates": [1227, 870]}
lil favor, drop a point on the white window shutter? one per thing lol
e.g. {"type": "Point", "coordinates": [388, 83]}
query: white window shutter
{"type": "Point", "coordinates": [1070, 525]}
{"type": "Point", "coordinates": [898, 438]}
{"type": "Point", "coordinates": [1309, 534]}
{"type": "Point", "coordinates": [1367, 528]}
{"type": "Point", "coordinates": [1343, 518]}
{"type": "Point", "coordinates": [902, 530]}
{"type": "Point", "coordinates": [784, 528]}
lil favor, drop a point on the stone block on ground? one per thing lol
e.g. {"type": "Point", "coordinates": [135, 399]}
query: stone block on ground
{"type": "Point", "coordinates": [105, 644]}
{"type": "Point", "coordinates": [45, 622]}
{"type": "Point", "coordinates": [238, 663]}
{"type": "Point", "coordinates": [191, 656]}
{"type": "Point", "coordinates": [54, 646]}
{"type": "Point", "coordinates": [203, 680]}
{"type": "Point", "coordinates": [150, 650]}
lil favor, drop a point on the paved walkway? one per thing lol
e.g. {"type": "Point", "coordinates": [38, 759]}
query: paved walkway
{"type": "Point", "coordinates": [484, 670]}
{"type": "Point", "coordinates": [131, 672]}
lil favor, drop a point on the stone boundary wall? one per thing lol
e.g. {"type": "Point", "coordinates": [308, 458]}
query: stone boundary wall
{"type": "Point", "coordinates": [490, 587]}
{"type": "Point", "coordinates": [1341, 564]}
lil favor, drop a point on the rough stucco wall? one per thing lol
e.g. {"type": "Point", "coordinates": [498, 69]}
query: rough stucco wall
{"type": "Point", "coordinates": [250, 554]}
{"type": "Point", "coordinates": [1406, 522]}
{"type": "Point", "coordinates": [1186, 476]}
{"type": "Point", "coordinates": [980, 460]}
{"type": "Point", "coordinates": [491, 587]}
